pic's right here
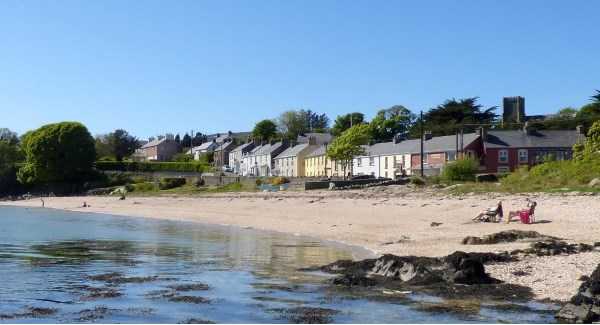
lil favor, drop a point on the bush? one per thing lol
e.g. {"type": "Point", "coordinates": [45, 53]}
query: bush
{"type": "Point", "coordinates": [416, 180]}
{"type": "Point", "coordinates": [183, 157]}
{"type": "Point", "coordinates": [144, 187]}
{"type": "Point", "coordinates": [258, 182]}
{"type": "Point", "coordinates": [279, 180]}
{"type": "Point", "coordinates": [169, 183]}
{"type": "Point", "coordinates": [133, 166]}
{"type": "Point", "coordinates": [461, 170]}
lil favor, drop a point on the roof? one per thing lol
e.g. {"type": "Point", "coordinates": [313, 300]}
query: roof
{"type": "Point", "coordinates": [445, 143]}
{"type": "Point", "coordinates": [318, 151]}
{"type": "Point", "coordinates": [224, 146]}
{"type": "Point", "coordinates": [242, 146]}
{"type": "Point", "coordinates": [293, 151]}
{"type": "Point", "coordinates": [268, 148]}
{"type": "Point", "coordinates": [391, 148]}
{"type": "Point", "coordinates": [536, 139]}
{"type": "Point", "coordinates": [154, 143]}
{"type": "Point", "coordinates": [320, 138]}
{"type": "Point", "coordinates": [203, 146]}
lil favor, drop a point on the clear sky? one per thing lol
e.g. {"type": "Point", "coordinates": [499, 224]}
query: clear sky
{"type": "Point", "coordinates": [169, 66]}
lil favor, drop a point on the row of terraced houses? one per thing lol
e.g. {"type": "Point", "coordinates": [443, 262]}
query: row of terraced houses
{"type": "Point", "coordinates": [498, 151]}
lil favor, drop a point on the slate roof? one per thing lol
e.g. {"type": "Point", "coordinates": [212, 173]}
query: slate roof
{"type": "Point", "coordinates": [320, 138]}
{"type": "Point", "coordinates": [293, 151]}
{"type": "Point", "coordinates": [203, 146]}
{"type": "Point", "coordinates": [242, 146]}
{"type": "Point", "coordinates": [224, 146]}
{"type": "Point", "coordinates": [537, 139]}
{"type": "Point", "coordinates": [155, 143]}
{"type": "Point", "coordinates": [318, 151]}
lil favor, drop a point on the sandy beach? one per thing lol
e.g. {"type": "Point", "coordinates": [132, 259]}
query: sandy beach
{"type": "Point", "coordinates": [387, 220]}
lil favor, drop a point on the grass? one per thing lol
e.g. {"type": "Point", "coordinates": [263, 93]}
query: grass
{"type": "Point", "coordinates": [150, 189]}
{"type": "Point", "coordinates": [550, 177]}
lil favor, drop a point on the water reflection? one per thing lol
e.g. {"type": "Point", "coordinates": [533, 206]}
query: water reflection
{"type": "Point", "coordinates": [60, 266]}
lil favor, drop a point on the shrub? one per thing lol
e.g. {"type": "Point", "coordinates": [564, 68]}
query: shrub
{"type": "Point", "coordinates": [258, 182]}
{"type": "Point", "coordinates": [279, 180]}
{"type": "Point", "coordinates": [416, 180]}
{"type": "Point", "coordinates": [169, 183]}
{"type": "Point", "coordinates": [144, 187]}
{"type": "Point", "coordinates": [133, 166]}
{"type": "Point", "coordinates": [461, 170]}
{"type": "Point", "coordinates": [138, 179]}
{"type": "Point", "coordinates": [183, 157]}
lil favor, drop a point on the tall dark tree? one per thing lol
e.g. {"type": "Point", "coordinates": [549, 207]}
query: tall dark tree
{"type": "Point", "coordinates": [344, 122]}
{"type": "Point", "coordinates": [121, 144]}
{"type": "Point", "coordinates": [264, 130]}
{"type": "Point", "coordinates": [453, 114]}
{"type": "Point", "coordinates": [10, 156]}
{"type": "Point", "coordinates": [185, 142]}
{"type": "Point", "coordinates": [389, 122]}
{"type": "Point", "coordinates": [178, 139]}
{"type": "Point", "coordinates": [198, 139]}
{"type": "Point", "coordinates": [9, 136]}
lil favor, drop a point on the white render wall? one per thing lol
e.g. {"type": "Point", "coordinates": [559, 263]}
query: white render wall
{"type": "Point", "coordinates": [367, 166]}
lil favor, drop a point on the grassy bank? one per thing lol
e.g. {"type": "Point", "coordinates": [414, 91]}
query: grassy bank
{"type": "Point", "coordinates": [553, 176]}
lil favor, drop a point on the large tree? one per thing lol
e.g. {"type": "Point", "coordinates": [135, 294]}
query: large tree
{"type": "Point", "coordinates": [348, 145]}
{"type": "Point", "coordinates": [264, 130]}
{"type": "Point", "coordinates": [186, 141]}
{"type": "Point", "coordinates": [293, 123]}
{"type": "Point", "coordinates": [389, 122]}
{"type": "Point", "coordinates": [453, 114]}
{"type": "Point", "coordinates": [346, 121]}
{"type": "Point", "coordinates": [122, 144]}
{"type": "Point", "coordinates": [10, 155]}
{"type": "Point", "coordinates": [198, 139]}
{"type": "Point", "coordinates": [55, 153]}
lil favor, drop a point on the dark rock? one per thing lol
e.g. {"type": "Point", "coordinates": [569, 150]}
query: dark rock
{"type": "Point", "coordinates": [504, 237]}
{"type": "Point", "coordinates": [306, 315]}
{"type": "Point", "coordinates": [190, 299]}
{"type": "Point", "coordinates": [197, 321]}
{"type": "Point", "coordinates": [435, 224]}
{"type": "Point", "coordinates": [190, 287]}
{"type": "Point", "coordinates": [584, 307]}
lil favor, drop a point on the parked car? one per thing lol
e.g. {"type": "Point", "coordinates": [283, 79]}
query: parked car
{"type": "Point", "coordinates": [227, 169]}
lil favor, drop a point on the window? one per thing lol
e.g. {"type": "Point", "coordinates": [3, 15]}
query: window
{"type": "Point", "coordinates": [503, 156]}
{"type": "Point", "coordinates": [359, 162]}
{"type": "Point", "coordinates": [371, 161]}
{"type": "Point", "coordinates": [523, 156]}
{"type": "Point", "coordinates": [386, 174]}
{"type": "Point", "coordinates": [503, 169]}
{"type": "Point", "coordinates": [451, 156]}
{"type": "Point", "coordinates": [385, 161]}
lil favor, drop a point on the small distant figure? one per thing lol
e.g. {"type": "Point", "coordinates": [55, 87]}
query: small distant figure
{"type": "Point", "coordinates": [491, 214]}
{"type": "Point", "coordinates": [43, 203]}
{"type": "Point", "coordinates": [122, 197]}
{"type": "Point", "coordinates": [85, 205]}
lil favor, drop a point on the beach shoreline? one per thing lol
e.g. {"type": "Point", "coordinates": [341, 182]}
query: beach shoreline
{"type": "Point", "coordinates": [385, 220]}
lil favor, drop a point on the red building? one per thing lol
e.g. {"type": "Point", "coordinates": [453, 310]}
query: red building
{"type": "Point", "coordinates": [505, 151]}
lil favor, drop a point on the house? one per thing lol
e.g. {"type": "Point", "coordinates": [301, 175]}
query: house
{"type": "Point", "coordinates": [235, 156]}
{"type": "Point", "coordinates": [366, 164]}
{"type": "Point", "coordinates": [438, 151]}
{"type": "Point", "coordinates": [221, 153]}
{"type": "Point", "coordinates": [204, 148]}
{"type": "Point", "coordinates": [290, 162]}
{"type": "Point", "coordinates": [394, 157]}
{"type": "Point", "coordinates": [260, 161]}
{"type": "Point", "coordinates": [317, 164]}
{"type": "Point", "coordinates": [505, 151]}
{"type": "Point", "coordinates": [162, 149]}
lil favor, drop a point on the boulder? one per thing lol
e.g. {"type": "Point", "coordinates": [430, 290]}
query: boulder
{"type": "Point", "coordinates": [584, 307]}
{"type": "Point", "coordinates": [594, 182]}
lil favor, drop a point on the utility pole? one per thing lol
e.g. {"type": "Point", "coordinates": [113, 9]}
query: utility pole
{"type": "Point", "coordinates": [422, 150]}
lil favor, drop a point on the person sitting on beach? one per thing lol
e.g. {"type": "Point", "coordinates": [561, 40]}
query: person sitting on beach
{"type": "Point", "coordinates": [490, 214]}
{"type": "Point", "coordinates": [530, 210]}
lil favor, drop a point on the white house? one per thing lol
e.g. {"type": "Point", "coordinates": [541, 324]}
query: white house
{"type": "Point", "coordinates": [259, 161]}
{"type": "Point", "coordinates": [237, 154]}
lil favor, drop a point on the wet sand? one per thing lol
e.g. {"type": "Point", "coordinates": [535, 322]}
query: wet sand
{"type": "Point", "coordinates": [387, 220]}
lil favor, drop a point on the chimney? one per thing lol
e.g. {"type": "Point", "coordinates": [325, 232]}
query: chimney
{"type": "Point", "coordinates": [482, 133]}
{"type": "Point", "coordinates": [428, 135]}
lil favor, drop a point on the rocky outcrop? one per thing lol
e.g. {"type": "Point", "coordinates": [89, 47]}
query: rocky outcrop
{"type": "Point", "coordinates": [554, 247]}
{"type": "Point", "coordinates": [584, 307]}
{"type": "Point", "coordinates": [459, 267]}
{"type": "Point", "coordinates": [505, 237]}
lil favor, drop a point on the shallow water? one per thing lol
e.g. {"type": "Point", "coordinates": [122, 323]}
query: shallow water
{"type": "Point", "coordinates": [58, 266]}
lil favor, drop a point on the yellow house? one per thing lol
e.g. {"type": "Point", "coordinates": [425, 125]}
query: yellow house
{"type": "Point", "coordinates": [316, 164]}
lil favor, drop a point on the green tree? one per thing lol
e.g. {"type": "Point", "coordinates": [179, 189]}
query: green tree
{"type": "Point", "coordinates": [55, 153]}
{"type": "Point", "coordinates": [591, 147]}
{"type": "Point", "coordinates": [389, 122]}
{"type": "Point", "coordinates": [186, 141]}
{"type": "Point", "coordinates": [348, 145]}
{"type": "Point", "coordinates": [344, 122]}
{"type": "Point", "coordinates": [264, 130]}
{"type": "Point", "coordinates": [10, 155]}
{"type": "Point", "coordinates": [103, 151]}
{"type": "Point", "coordinates": [293, 123]}
{"type": "Point", "coordinates": [122, 144]}
{"type": "Point", "coordinates": [447, 117]}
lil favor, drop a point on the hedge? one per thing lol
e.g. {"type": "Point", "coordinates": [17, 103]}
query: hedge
{"type": "Point", "coordinates": [134, 166]}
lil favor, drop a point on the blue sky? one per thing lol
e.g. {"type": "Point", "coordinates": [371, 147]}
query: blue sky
{"type": "Point", "coordinates": [170, 66]}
